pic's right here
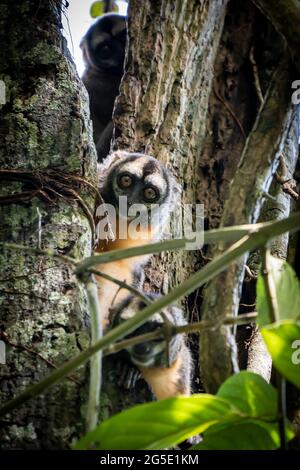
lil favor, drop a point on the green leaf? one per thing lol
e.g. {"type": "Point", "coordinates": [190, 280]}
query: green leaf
{"type": "Point", "coordinates": [166, 423]}
{"type": "Point", "coordinates": [158, 425]}
{"type": "Point", "coordinates": [251, 394]}
{"type": "Point", "coordinates": [283, 342]}
{"type": "Point", "coordinates": [98, 9]}
{"type": "Point", "coordinates": [287, 292]}
{"type": "Point", "coordinates": [243, 435]}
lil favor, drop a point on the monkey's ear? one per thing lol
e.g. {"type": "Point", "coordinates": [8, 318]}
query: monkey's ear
{"type": "Point", "coordinates": [111, 161]}
{"type": "Point", "coordinates": [108, 164]}
{"type": "Point", "coordinates": [85, 54]}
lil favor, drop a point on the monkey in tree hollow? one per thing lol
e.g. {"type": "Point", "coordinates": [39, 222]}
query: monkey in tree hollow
{"type": "Point", "coordinates": [103, 48]}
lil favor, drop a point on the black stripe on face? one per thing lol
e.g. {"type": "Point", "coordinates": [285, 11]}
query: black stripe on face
{"type": "Point", "coordinates": [151, 167]}
{"type": "Point", "coordinates": [141, 305]}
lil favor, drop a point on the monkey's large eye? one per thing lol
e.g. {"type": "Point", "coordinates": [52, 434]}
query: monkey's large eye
{"type": "Point", "coordinates": [150, 194]}
{"type": "Point", "coordinates": [104, 52]}
{"type": "Point", "coordinates": [125, 181]}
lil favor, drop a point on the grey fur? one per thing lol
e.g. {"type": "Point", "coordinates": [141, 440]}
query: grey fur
{"type": "Point", "coordinates": [159, 176]}
{"type": "Point", "coordinates": [158, 353]}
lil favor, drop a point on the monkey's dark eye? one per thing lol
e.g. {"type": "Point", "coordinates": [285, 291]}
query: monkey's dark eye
{"type": "Point", "coordinates": [104, 52]}
{"type": "Point", "coordinates": [125, 181]}
{"type": "Point", "coordinates": [150, 194]}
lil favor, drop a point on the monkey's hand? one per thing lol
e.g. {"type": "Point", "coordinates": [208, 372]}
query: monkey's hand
{"type": "Point", "coordinates": [127, 374]}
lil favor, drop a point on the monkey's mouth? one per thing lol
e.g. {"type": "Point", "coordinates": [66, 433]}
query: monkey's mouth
{"type": "Point", "coordinates": [143, 361]}
{"type": "Point", "coordinates": [142, 355]}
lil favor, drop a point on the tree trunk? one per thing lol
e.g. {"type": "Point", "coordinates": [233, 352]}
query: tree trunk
{"type": "Point", "coordinates": [196, 71]}
{"type": "Point", "coordinates": [162, 110]}
{"type": "Point", "coordinates": [46, 144]}
{"type": "Point", "coordinates": [190, 97]}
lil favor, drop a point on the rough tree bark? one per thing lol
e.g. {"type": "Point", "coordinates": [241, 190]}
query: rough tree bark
{"type": "Point", "coordinates": [190, 97]}
{"type": "Point", "coordinates": [45, 133]}
{"type": "Point", "coordinates": [161, 110]}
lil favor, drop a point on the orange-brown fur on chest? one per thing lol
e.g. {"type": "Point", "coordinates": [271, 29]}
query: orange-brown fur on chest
{"type": "Point", "coordinates": [166, 382]}
{"type": "Point", "coordinates": [110, 293]}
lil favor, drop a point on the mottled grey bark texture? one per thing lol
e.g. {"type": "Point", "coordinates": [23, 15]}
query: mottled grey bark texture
{"type": "Point", "coordinates": [189, 98]}
{"type": "Point", "coordinates": [252, 179]}
{"type": "Point", "coordinates": [162, 110]}
{"type": "Point", "coordinates": [45, 130]}
{"type": "Point", "coordinates": [163, 105]}
{"type": "Point", "coordinates": [277, 208]}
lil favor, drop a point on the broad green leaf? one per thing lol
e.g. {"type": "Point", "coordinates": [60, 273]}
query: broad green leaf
{"type": "Point", "coordinates": [287, 292]}
{"type": "Point", "coordinates": [158, 425]}
{"type": "Point", "coordinates": [98, 9]}
{"type": "Point", "coordinates": [166, 423]}
{"type": "Point", "coordinates": [243, 435]}
{"type": "Point", "coordinates": [283, 342]}
{"type": "Point", "coordinates": [251, 394]}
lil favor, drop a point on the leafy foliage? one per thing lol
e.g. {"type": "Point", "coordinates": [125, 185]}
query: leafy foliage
{"type": "Point", "coordinates": [244, 399]}
{"type": "Point", "coordinates": [287, 292]}
{"type": "Point", "coordinates": [98, 9]}
{"type": "Point", "coordinates": [242, 435]}
{"type": "Point", "coordinates": [283, 342]}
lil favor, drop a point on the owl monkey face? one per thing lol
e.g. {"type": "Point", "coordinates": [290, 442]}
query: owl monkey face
{"type": "Point", "coordinates": [141, 179]}
{"type": "Point", "coordinates": [103, 46]}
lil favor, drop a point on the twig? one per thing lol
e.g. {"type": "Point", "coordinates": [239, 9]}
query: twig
{"type": "Point", "coordinates": [26, 276]}
{"type": "Point", "coordinates": [122, 285]}
{"type": "Point", "coordinates": [36, 251]}
{"type": "Point", "coordinates": [251, 242]}
{"type": "Point", "coordinates": [176, 330]}
{"type": "Point", "coordinates": [270, 290]}
{"type": "Point", "coordinates": [249, 272]}
{"type": "Point", "coordinates": [286, 182]}
{"type": "Point", "coordinates": [96, 359]}
{"type": "Point", "coordinates": [50, 185]}
{"type": "Point", "coordinates": [243, 205]}
{"type": "Point", "coordinates": [270, 287]}
{"type": "Point", "coordinates": [6, 339]}
{"type": "Point", "coordinates": [236, 119]}
{"type": "Point", "coordinates": [39, 241]}
{"type": "Point", "coordinates": [256, 76]}
{"type": "Point", "coordinates": [263, 230]}
{"type": "Point", "coordinates": [225, 234]}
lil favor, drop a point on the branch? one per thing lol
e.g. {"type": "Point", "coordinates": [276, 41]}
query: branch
{"type": "Point", "coordinates": [225, 234]}
{"type": "Point", "coordinates": [254, 240]}
{"type": "Point", "coordinates": [96, 359]}
{"type": "Point", "coordinates": [259, 359]}
{"type": "Point", "coordinates": [122, 285]}
{"type": "Point", "coordinates": [177, 330]}
{"type": "Point", "coordinates": [271, 298]}
{"type": "Point", "coordinates": [262, 150]}
{"type": "Point", "coordinates": [285, 16]}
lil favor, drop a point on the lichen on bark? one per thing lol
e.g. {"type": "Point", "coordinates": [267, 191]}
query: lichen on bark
{"type": "Point", "coordinates": [45, 128]}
